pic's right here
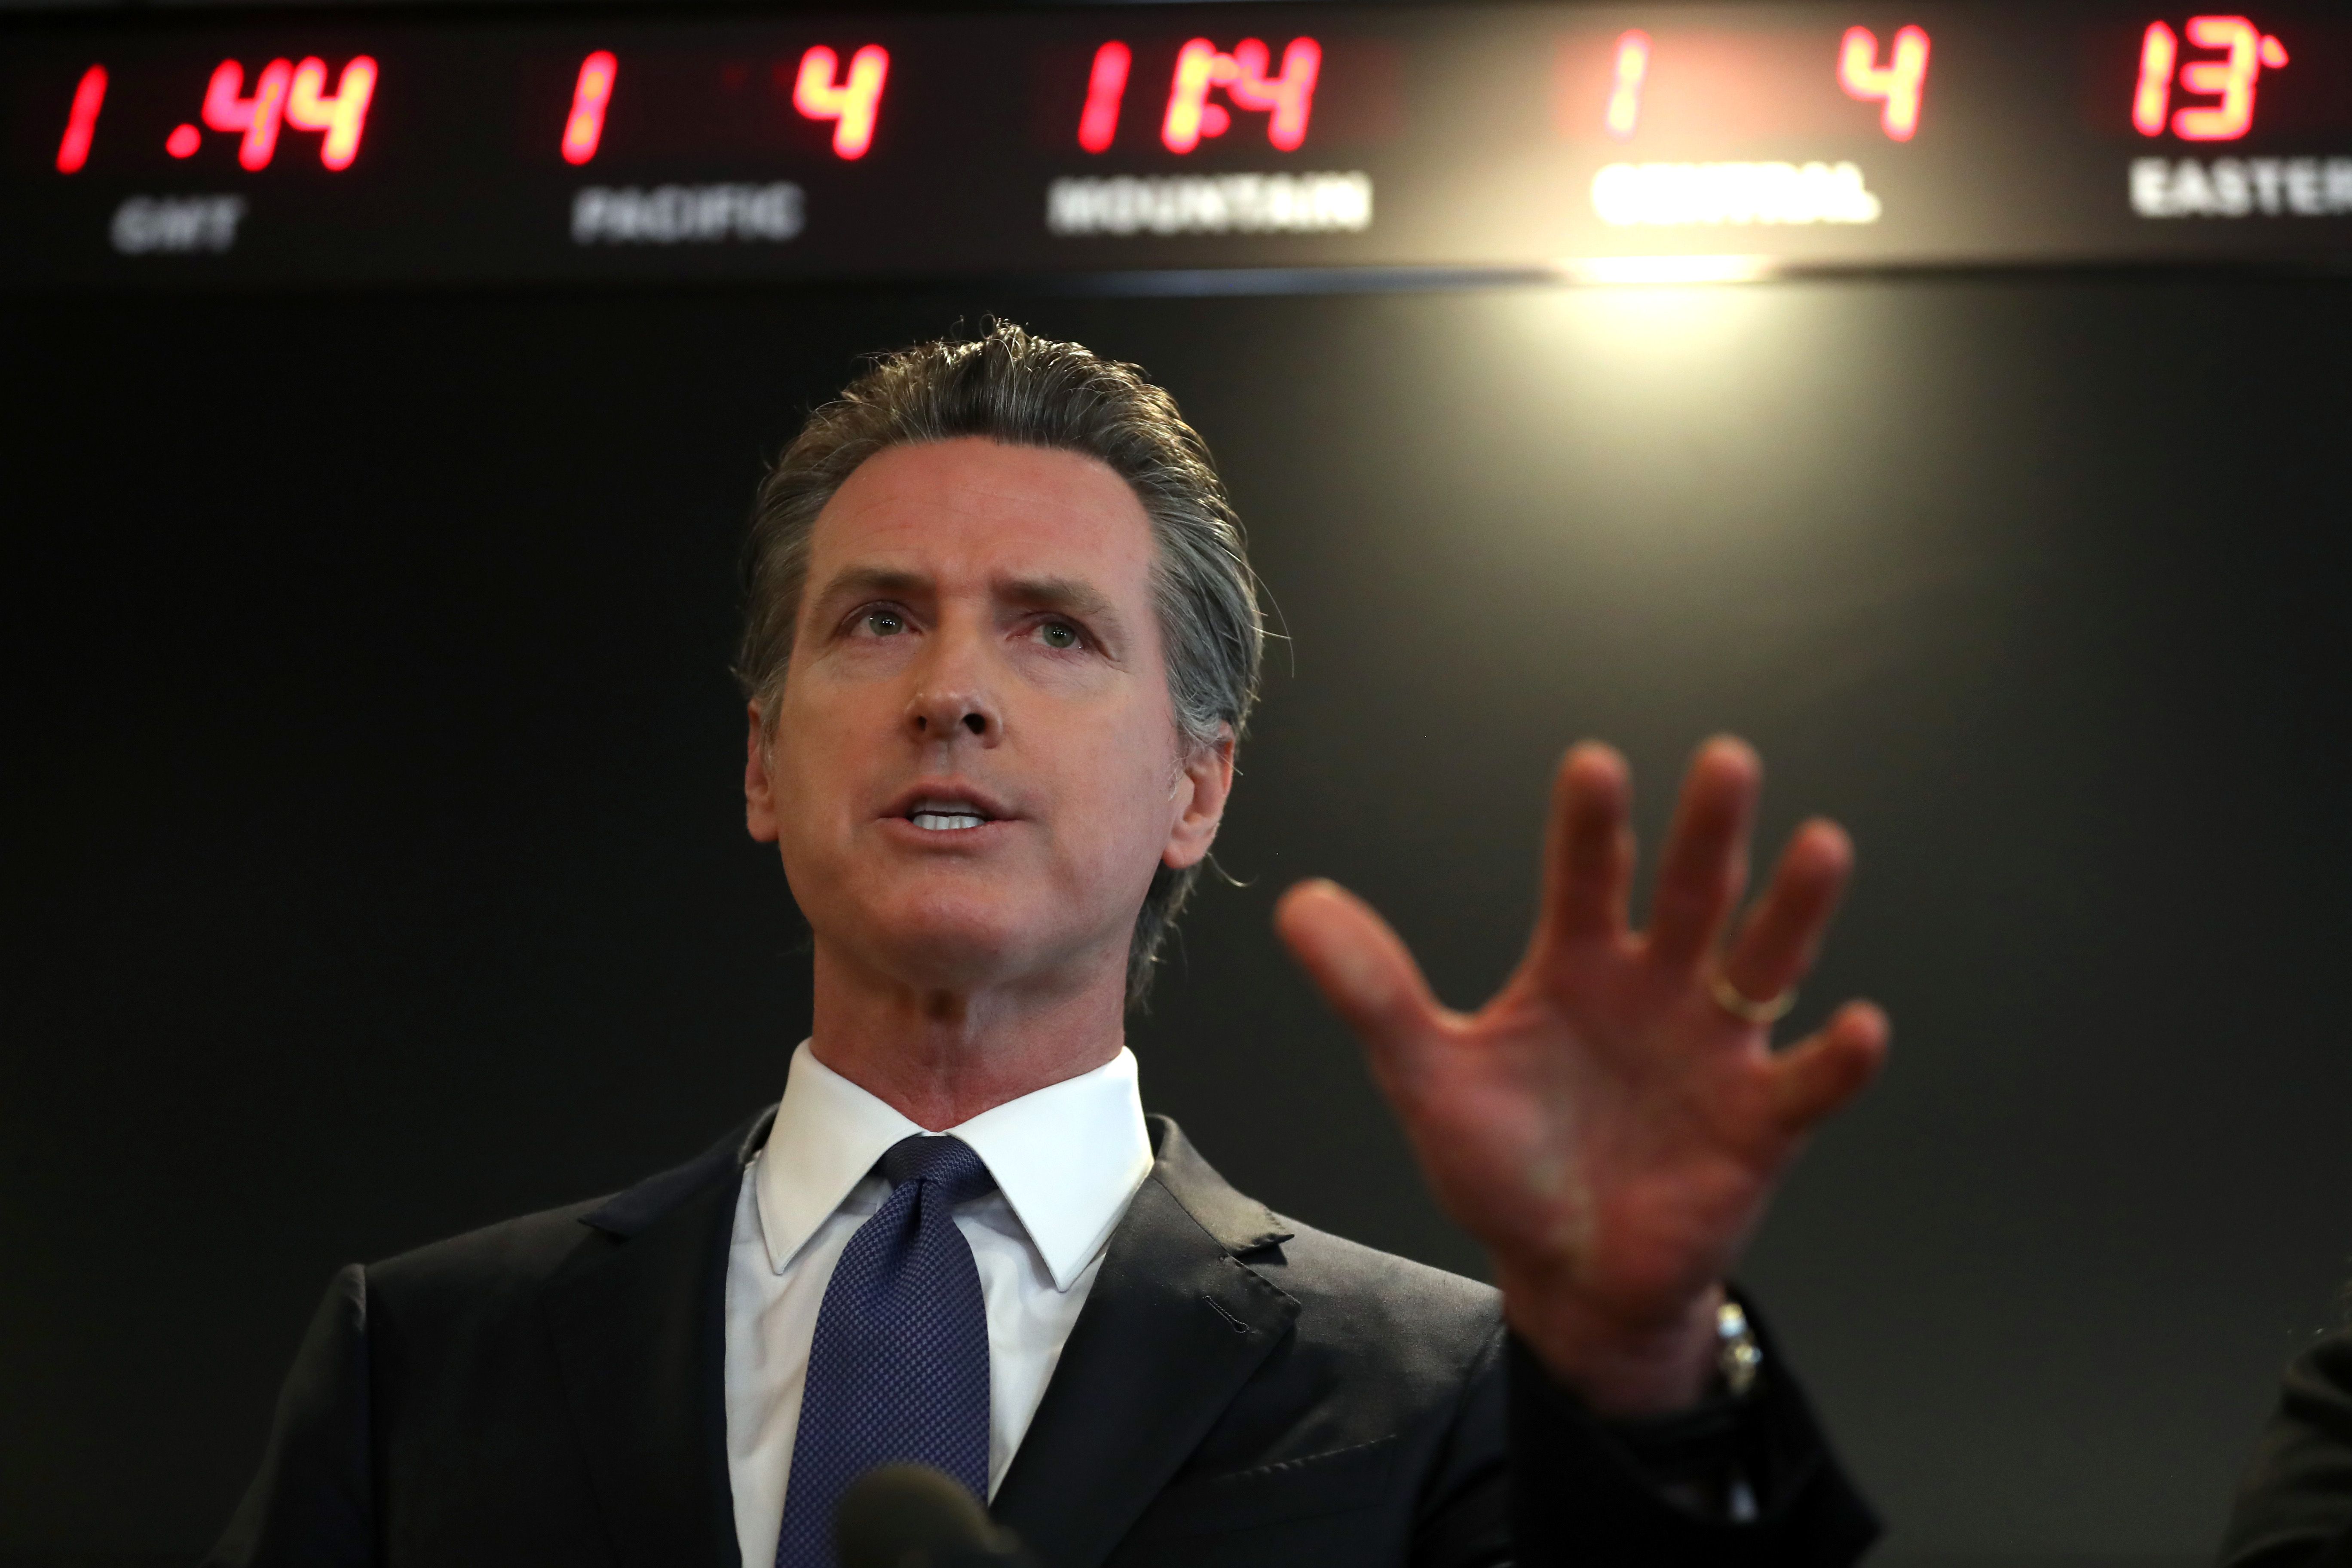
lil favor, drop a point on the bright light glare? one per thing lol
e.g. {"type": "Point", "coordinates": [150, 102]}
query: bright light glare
{"type": "Point", "coordinates": [1620, 371]}
{"type": "Point", "coordinates": [1677, 194]}
{"type": "Point", "coordinates": [1639, 271]}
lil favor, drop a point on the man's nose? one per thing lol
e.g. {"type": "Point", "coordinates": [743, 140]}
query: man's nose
{"type": "Point", "coordinates": [951, 701]}
{"type": "Point", "coordinates": [936, 715]}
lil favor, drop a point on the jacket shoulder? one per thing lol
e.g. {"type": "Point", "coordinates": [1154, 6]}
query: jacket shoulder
{"type": "Point", "coordinates": [516, 1256]}
{"type": "Point", "coordinates": [1365, 1307]}
{"type": "Point", "coordinates": [1415, 1310]}
{"type": "Point", "coordinates": [521, 1252]}
{"type": "Point", "coordinates": [1318, 1259]}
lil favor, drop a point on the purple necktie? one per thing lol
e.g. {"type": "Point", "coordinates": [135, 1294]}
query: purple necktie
{"type": "Point", "coordinates": [899, 1369]}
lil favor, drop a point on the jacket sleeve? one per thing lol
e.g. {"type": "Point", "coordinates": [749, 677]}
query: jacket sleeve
{"type": "Point", "coordinates": [1588, 1492]}
{"type": "Point", "coordinates": [1577, 1491]}
{"type": "Point", "coordinates": [312, 1503]}
{"type": "Point", "coordinates": [2294, 1506]}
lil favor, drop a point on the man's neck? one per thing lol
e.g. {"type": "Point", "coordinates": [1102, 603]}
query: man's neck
{"type": "Point", "coordinates": [942, 1058]}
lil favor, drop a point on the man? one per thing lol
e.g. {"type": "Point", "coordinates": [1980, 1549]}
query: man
{"type": "Point", "coordinates": [1001, 641]}
{"type": "Point", "coordinates": [2293, 1507]}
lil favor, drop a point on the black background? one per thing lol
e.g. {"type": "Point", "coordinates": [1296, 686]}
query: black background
{"type": "Point", "coordinates": [374, 865]}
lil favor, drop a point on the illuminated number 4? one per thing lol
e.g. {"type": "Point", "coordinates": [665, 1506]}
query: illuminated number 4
{"type": "Point", "coordinates": [342, 117]}
{"type": "Point", "coordinates": [852, 103]}
{"type": "Point", "coordinates": [1897, 84]}
{"type": "Point", "coordinates": [258, 117]}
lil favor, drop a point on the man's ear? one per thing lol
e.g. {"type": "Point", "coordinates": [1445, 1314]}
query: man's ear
{"type": "Point", "coordinates": [1202, 787]}
{"type": "Point", "coordinates": [758, 790]}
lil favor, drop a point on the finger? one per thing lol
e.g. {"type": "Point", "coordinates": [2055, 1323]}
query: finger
{"type": "Point", "coordinates": [1704, 863]}
{"type": "Point", "coordinates": [1362, 967]}
{"type": "Point", "coordinates": [1782, 935]}
{"type": "Point", "coordinates": [1821, 1073]}
{"type": "Point", "coordinates": [1588, 855]}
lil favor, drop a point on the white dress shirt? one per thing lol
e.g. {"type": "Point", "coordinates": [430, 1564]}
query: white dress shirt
{"type": "Point", "coordinates": [1067, 1159]}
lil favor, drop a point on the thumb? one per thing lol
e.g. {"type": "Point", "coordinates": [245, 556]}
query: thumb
{"type": "Point", "coordinates": [1362, 967]}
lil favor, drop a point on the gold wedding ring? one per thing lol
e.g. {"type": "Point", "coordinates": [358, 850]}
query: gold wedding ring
{"type": "Point", "coordinates": [1745, 1008]}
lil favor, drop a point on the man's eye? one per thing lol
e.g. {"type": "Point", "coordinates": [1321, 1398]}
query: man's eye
{"type": "Point", "coordinates": [1059, 633]}
{"type": "Point", "coordinates": [885, 623]}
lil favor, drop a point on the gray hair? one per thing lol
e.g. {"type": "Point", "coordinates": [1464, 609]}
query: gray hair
{"type": "Point", "coordinates": [1008, 386]}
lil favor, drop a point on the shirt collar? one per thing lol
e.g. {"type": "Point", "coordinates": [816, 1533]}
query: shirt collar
{"type": "Point", "coordinates": [1066, 1157]}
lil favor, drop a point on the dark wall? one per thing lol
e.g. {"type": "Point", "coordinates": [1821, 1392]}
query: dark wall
{"type": "Point", "coordinates": [374, 865]}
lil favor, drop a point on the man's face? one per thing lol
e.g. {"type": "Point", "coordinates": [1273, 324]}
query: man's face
{"type": "Point", "coordinates": [976, 768]}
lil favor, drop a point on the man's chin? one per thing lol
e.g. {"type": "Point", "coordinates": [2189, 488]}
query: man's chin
{"type": "Point", "coordinates": [966, 945]}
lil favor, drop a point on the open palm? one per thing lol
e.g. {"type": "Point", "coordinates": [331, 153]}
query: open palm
{"type": "Point", "coordinates": [1608, 1126]}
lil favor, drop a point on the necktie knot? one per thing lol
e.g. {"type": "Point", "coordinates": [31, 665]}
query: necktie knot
{"type": "Point", "coordinates": [954, 1171]}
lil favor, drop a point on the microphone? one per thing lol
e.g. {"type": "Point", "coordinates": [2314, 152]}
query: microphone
{"type": "Point", "coordinates": [912, 1516]}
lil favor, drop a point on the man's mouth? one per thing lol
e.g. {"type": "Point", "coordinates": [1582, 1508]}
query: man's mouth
{"type": "Point", "coordinates": [946, 816]}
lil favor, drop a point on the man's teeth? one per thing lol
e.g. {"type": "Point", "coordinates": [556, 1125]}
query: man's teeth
{"type": "Point", "coordinates": [952, 819]}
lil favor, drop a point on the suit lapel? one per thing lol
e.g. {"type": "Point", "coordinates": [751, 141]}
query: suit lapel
{"type": "Point", "coordinates": [1173, 1327]}
{"type": "Point", "coordinates": [639, 1333]}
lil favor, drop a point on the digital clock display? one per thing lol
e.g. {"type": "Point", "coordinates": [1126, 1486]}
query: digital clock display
{"type": "Point", "coordinates": [333, 148]}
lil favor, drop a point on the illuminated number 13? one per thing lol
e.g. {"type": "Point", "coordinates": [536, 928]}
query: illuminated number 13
{"type": "Point", "coordinates": [2231, 81]}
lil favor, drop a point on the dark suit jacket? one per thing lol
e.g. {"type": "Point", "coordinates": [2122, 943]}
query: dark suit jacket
{"type": "Point", "coordinates": [1238, 1390]}
{"type": "Point", "coordinates": [2295, 1507]}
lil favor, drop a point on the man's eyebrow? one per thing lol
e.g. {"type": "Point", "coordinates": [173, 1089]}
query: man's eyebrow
{"type": "Point", "coordinates": [1073, 595]}
{"type": "Point", "coordinates": [881, 580]}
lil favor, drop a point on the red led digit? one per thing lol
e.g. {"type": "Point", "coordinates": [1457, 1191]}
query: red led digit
{"type": "Point", "coordinates": [2231, 81]}
{"type": "Point", "coordinates": [2152, 98]}
{"type": "Point", "coordinates": [1190, 112]}
{"type": "Point", "coordinates": [81, 122]}
{"type": "Point", "coordinates": [851, 104]}
{"type": "Point", "coordinates": [342, 117]}
{"type": "Point", "coordinates": [1106, 87]}
{"type": "Point", "coordinates": [584, 126]}
{"type": "Point", "coordinates": [258, 117]}
{"type": "Point", "coordinates": [1624, 111]}
{"type": "Point", "coordinates": [1897, 84]}
{"type": "Point", "coordinates": [1289, 97]}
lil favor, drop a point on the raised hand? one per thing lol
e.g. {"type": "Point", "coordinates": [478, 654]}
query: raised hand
{"type": "Point", "coordinates": [1610, 1124]}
